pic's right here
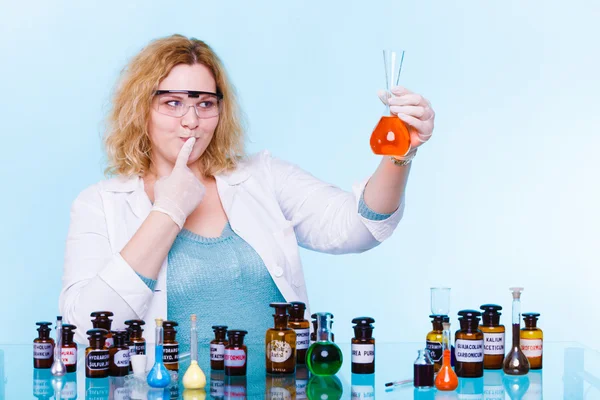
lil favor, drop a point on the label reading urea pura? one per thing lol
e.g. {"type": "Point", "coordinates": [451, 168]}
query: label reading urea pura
{"type": "Point", "coordinates": [532, 347]}
{"type": "Point", "coordinates": [470, 351]}
{"type": "Point", "coordinates": [493, 343]}
{"type": "Point", "coordinates": [97, 360]}
{"type": "Point", "coordinates": [121, 358]}
{"type": "Point", "coordinates": [137, 348]}
{"type": "Point", "coordinates": [217, 352]}
{"type": "Point", "coordinates": [436, 351]}
{"type": "Point", "coordinates": [235, 358]}
{"type": "Point", "coordinates": [171, 353]}
{"type": "Point", "coordinates": [42, 351]}
{"type": "Point", "coordinates": [279, 351]}
{"type": "Point", "coordinates": [68, 355]}
{"type": "Point", "coordinates": [302, 339]}
{"type": "Point", "coordinates": [363, 353]}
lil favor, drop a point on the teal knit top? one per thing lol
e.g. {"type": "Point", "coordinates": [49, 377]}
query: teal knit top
{"type": "Point", "coordinates": [224, 282]}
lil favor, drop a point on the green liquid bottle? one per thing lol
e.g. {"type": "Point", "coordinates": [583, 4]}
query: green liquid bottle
{"type": "Point", "coordinates": [324, 358]}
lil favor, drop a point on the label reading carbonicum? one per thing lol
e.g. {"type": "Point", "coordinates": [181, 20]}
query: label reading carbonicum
{"type": "Point", "coordinates": [68, 355]}
{"type": "Point", "coordinates": [217, 352]}
{"type": "Point", "coordinates": [171, 353]}
{"type": "Point", "coordinates": [436, 351]}
{"type": "Point", "coordinates": [235, 358]}
{"type": "Point", "coordinates": [97, 360]}
{"type": "Point", "coordinates": [43, 351]}
{"type": "Point", "coordinates": [532, 347]}
{"type": "Point", "coordinates": [493, 343]}
{"type": "Point", "coordinates": [302, 339]}
{"type": "Point", "coordinates": [470, 351]}
{"type": "Point", "coordinates": [363, 353]}
{"type": "Point", "coordinates": [279, 351]}
{"type": "Point", "coordinates": [121, 358]}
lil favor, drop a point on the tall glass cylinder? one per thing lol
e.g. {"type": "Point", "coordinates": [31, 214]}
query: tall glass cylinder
{"type": "Point", "coordinates": [516, 362]}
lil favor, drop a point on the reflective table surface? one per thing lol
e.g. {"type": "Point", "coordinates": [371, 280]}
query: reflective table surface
{"type": "Point", "coordinates": [571, 371]}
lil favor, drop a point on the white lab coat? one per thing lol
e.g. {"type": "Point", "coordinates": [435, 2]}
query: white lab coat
{"type": "Point", "coordinates": [271, 204]}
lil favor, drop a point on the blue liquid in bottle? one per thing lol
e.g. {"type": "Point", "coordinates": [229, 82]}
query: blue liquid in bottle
{"type": "Point", "coordinates": [159, 376]}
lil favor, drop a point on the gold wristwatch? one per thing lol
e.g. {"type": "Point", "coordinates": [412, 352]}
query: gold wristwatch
{"type": "Point", "coordinates": [404, 161]}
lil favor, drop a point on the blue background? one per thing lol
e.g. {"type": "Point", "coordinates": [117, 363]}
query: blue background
{"type": "Point", "coordinates": [506, 192]}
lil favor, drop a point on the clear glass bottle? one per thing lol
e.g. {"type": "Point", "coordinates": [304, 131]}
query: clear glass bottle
{"type": "Point", "coordinates": [280, 343]}
{"type": "Point", "coordinates": [469, 345]}
{"type": "Point", "coordinates": [363, 346]}
{"type": "Point", "coordinates": [324, 357]}
{"type": "Point", "coordinates": [119, 354]}
{"type": "Point", "coordinates": [236, 354]}
{"type": "Point", "coordinates": [446, 379]}
{"type": "Point", "coordinates": [68, 352]}
{"type": "Point", "coordinates": [102, 321]}
{"type": "Point", "coordinates": [423, 370]}
{"type": "Point", "coordinates": [159, 376]}
{"type": "Point", "coordinates": [217, 348]}
{"type": "Point", "coordinates": [493, 336]}
{"type": "Point", "coordinates": [515, 362]}
{"type": "Point", "coordinates": [532, 340]}
{"type": "Point", "coordinates": [302, 328]}
{"type": "Point", "coordinates": [194, 377]}
{"type": "Point", "coordinates": [58, 366]}
{"type": "Point", "coordinates": [43, 346]}
{"type": "Point", "coordinates": [433, 342]}
{"type": "Point", "coordinates": [96, 355]}
{"type": "Point", "coordinates": [170, 346]}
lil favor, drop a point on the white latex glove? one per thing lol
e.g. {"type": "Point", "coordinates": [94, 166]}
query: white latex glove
{"type": "Point", "coordinates": [178, 194]}
{"type": "Point", "coordinates": [414, 110]}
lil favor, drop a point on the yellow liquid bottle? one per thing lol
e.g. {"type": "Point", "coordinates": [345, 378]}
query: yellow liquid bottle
{"type": "Point", "coordinates": [532, 340]}
{"type": "Point", "coordinates": [434, 341]}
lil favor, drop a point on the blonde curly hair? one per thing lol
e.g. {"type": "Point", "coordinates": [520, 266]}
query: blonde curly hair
{"type": "Point", "coordinates": [126, 139]}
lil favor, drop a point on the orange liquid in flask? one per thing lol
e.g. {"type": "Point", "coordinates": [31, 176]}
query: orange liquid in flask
{"type": "Point", "coordinates": [390, 137]}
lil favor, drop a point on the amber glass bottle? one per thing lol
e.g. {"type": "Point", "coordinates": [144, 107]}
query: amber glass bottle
{"type": "Point", "coordinates": [302, 328]}
{"type": "Point", "coordinates": [280, 343]}
{"type": "Point", "coordinates": [136, 342]}
{"type": "Point", "coordinates": [68, 352]}
{"type": "Point", "coordinates": [170, 346]}
{"type": "Point", "coordinates": [217, 348]}
{"type": "Point", "coordinates": [433, 342]}
{"type": "Point", "coordinates": [102, 321]}
{"type": "Point", "coordinates": [363, 346]}
{"type": "Point", "coordinates": [119, 354]}
{"type": "Point", "coordinates": [43, 347]}
{"type": "Point", "coordinates": [236, 354]}
{"type": "Point", "coordinates": [469, 345]}
{"type": "Point", "coordinates": [532, 340]}
{"type": "Point", "coordinates": [493, 336]}
{"type": "Point", "coordinates": [96, 356]}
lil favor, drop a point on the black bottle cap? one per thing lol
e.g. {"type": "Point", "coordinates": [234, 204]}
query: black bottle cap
{"type": "Point", "coordinates": [280, 309]}
{"type": "Point", "coordinates": [220, 328]}
{"type": "Point", "coordinates": [491, 314]}
{"type": "Point", "coordinates": [363, 328]}
{"type": "Point", "coordinates": [119, 337]}
{"type": "Point", "coordinates": [530, 319]}
{"type": "Point", "coordinates": [135, 325]}
{"type": "Point", "coordinates": [68, 333]}
{"type": "Point", "coordinates": [170, 325]}
{"type": "Point", "coordinates": [101, 314]}
{"type": "Point", "coordinates": [296, 309]}
{"type": "Point", "coordinates": [469, 314]}
{"type": "Point", "coordinates": [44, 329]}
{"type": "Point", "coordinates": [236, 337]}
{"type": "Point", "coordinates": [438, 318]}
{"type": "Point", "coordinates": [101, 319]}
{"type": "Point", "coordinates": [44, 325]}
{"type": "Point", "coordinates": [59, 318]}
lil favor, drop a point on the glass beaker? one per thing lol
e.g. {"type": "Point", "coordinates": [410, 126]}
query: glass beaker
{"type": "Point", "coordinates": [391, 137]}
{"type": "Point", "coordinates": [440, 300]}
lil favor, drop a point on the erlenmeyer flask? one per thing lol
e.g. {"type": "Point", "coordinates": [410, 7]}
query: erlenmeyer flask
{"type": "Point", "coordinates": [390, 137]}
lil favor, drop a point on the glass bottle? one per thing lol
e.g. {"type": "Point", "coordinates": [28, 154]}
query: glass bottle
{"type": "Point", "coordinates": [324, 357]}
{"type": "Point", "coordinates": [68, 352]}
{"type": "Point", "coordinates": [159, 376]}
{"type": "Point", "coordinates": [43, 347]}
{"type": "Point", "coordinates": [469, 345]}
{"type": "Point", "coordinates": [363, 346]}
{"type": "Point", "coordinates": [170, 346]}
{"type": "Point", "coordinates": [217, 348]}
{"type": "Point", "coordinates": [102, 321]}
{"type": "Point", "coordinates": [96, 355]}
{"type": "Point", "coordinates": [313, 334]}
{"type": "Point", "coordinates": [136, 343]}
{"type": "Point", "coordinates": [390, 136]}
{"type": "Point", "coordinates": [515, 362]}
{"type": "Point", "coordinates": [119, 354]}
{"type": "Point", "coordinates": [280, 343]}
{"type": "Point", "coordinates": [302, 328]}
{"type": "Point", "coordinates": [58, 367]}
{"type": "Point", "coordinates": [532, 340]}
{"type": "Point", "coordinates": [423, 370]}
{"type": "Point", "coordinates": [493, 336]}
{"type": "Point", "coordinates": [434, 340]}
{"type": "Point", "coordinates": [194, 377]}
{"type": "Point", "coordinates": [236, 354]}
{"type": "Point", "coordinates": [446, 378]}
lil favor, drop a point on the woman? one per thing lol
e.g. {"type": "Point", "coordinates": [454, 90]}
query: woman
{"type": "Point", "coordinates": [190, 224]}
